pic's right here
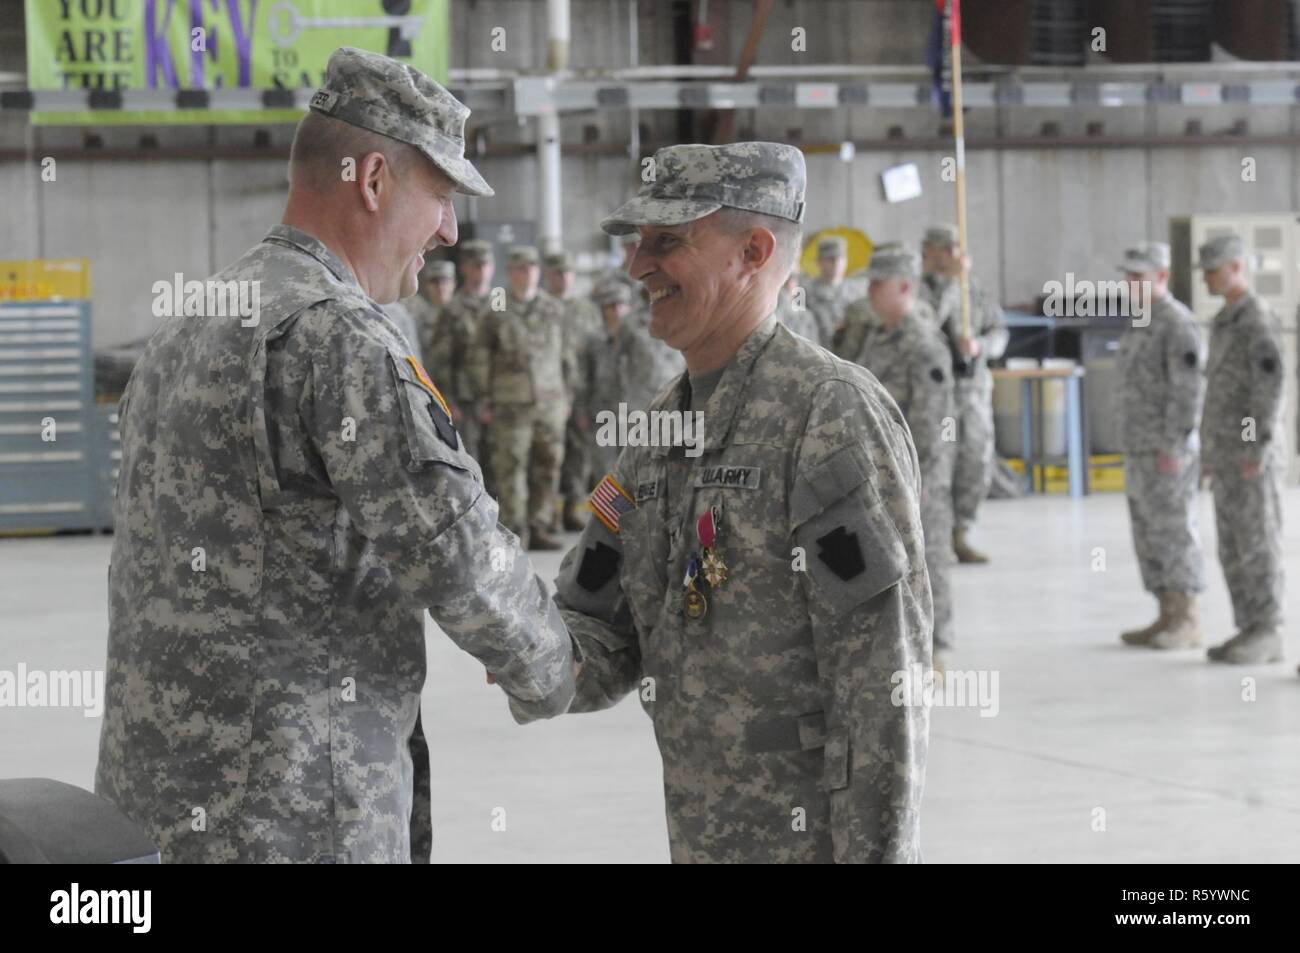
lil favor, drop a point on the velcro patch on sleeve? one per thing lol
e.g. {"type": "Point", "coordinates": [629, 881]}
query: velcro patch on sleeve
{"type": "Point", "coordinates": [609, 502]}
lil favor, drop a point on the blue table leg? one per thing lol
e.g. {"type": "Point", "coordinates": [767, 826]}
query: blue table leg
{"type": "Point", "coordinates": [1027, 431]}
{"type": "Point", "coordinates": [1074, 430]}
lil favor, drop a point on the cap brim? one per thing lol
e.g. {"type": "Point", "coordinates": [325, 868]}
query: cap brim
{"type": "Point", "coordinates": [463, 174]}
{"type": "Point", "coordinates": [643, 210]}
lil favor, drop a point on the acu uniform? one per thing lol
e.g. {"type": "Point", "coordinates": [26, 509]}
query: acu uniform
{"type": "Point", "coordinates": [760, 598]}
{"type": "Point", "coordinates": [292, 496]}
{"type": "Point", "coordinates": [1163, 387]}
{"type": "Point", "coordinates": [1243, 393]}
{"type": "Point", "coordinates": [452, 354]}
{"type": "Point", "coordinates": [912, 361]}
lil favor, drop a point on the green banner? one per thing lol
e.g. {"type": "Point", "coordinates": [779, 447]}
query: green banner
{"type": "Point", "coordinates": [217, 44]}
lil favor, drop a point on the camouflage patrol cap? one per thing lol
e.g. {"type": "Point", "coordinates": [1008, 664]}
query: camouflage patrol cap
{"type": "Point", "coordinates": [833, 247]}
{"type": "Point", "coordinates": [1219, 250]}
{"type": "Point", "coordinates": [438, 270]}
{"type": "Point", "coordinates": [395, 99]}
{"type": "Point", "coordinates": [558, 261]}
{"type": "Point", "coordinates": [894, 260]}
{"type": "Point", "coordinates": [1145, 256]}
{"type": "Point", "coordinates": [941, 236]}
{"type": "Point", "coordinates": [476, 249]}
{"type": "Point", "coordinates": [521, 255]}
{"type": "Point", "coordinates": [693, 181]}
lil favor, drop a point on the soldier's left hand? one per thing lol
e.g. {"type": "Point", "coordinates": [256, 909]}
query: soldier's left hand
{"type": "Point", "coordinates": [1251, 469]}
{"type": "Point", "coordinates": [1166, 464]}
{"type": "Point", "coordinates": [969, 347]}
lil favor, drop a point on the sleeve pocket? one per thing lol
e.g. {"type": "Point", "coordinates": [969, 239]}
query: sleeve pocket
{"type": "Point", "coordinates": [430, 435]}
{"type": "Point", "coordinates": [852, 548]}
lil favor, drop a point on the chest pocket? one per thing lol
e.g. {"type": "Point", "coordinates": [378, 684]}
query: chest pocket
{"type": "Point", "coordinates": [430, 435]}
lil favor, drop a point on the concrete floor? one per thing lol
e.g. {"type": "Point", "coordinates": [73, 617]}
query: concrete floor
{"type": "Point", "coordinates": [1183, 768]}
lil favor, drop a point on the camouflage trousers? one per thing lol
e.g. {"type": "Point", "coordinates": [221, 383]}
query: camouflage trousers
{"type": "Point", "coordinates": [973, 469]}
{"type": "Point", "coordinates": [1248, 520]}
{"type": "Point", "coordinates": [526, 444]}
{"type": "Point", "coordinates": [936, 523]}
{"type": "Point", "coordinates": [1162, 512]}
{"type": "Point", "coordinates": [575, 472]}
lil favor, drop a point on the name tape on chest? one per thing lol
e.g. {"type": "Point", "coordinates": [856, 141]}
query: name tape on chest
{"type": "Point", "coordinates": [733, 478]}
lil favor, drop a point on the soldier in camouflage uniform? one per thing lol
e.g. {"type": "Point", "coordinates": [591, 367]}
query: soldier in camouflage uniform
{"type": "Point", "coordinates": [942, 265]}
{"type": "Point", "coordinates": [1241, 452]}
{"type": "Point", "coordinates": [759, 598]}
{"type": "Point", "coordinates": [1160, 365]}
{"type": "Point", "coordinates": [292, 496]}
{"type": "Point", "coordinates": [617, 366]}
{"type": "Point", "coordinates": [437, 285]}
{"type": "Point", "coordinates": [522, 365]}
{"type": "Point", "coordinates": [582, 320]}
{"type": "Point", "coordinates": [451, 349]}
{"type": "Point", "coordinates": [828, 294]}
{"type": "Point", "coordinates": [908, 355]}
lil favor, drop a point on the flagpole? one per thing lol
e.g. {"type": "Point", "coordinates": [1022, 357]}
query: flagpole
{"type": "Point", "coordinates": [953, 10]}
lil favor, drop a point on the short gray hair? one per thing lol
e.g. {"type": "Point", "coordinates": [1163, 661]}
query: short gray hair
{"type": "Point", "coordinates": [321, 143]}
{"type": "Point", "coordinates": [789, 235]}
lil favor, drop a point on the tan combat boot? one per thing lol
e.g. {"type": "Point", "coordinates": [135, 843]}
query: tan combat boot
{"type": "Point", "coordinates": [1143, 636]}
{"type": "Point", "coordinates": [965, 553]}
{"type": "Point", "coordinates": [1183, 629]}
{"type": "Point", "coordinates": [539, 540]}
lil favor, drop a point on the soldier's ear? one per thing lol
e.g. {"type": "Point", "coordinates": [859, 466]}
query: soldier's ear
{"type": "Point", "coordinates": [759, 247]}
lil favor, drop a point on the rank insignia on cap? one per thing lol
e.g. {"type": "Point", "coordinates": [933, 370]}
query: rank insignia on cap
{"type": "Point", "coordinates": [324, 100]}
{"type": "Point", "coordinates": [446, 429]}
{"type": "Point", "coordinates": [609, 501]}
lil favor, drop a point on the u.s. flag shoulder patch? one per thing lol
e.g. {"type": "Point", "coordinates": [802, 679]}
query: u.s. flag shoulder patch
{"type": "Point", "coordinates": [609, 501]}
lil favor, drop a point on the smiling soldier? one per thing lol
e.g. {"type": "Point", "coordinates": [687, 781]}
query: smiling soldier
{"type": "Point", "coordinates": [760, 596]}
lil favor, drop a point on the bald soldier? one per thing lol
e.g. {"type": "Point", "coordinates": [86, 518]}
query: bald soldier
{"type": "Point", "coordinates": [942, 264]}
{"type": "Point", "coordinates": [1241, 452]}
{"type": "Point", "coordinates": [582, 321]}
{"type": "Point", "coordinates": [522, 364]}
{"type": "Point", "coordinates": [1161, 362]}
{"type": "Point", "coordinates": [452, 348]}
{"type": "Point", "coordinates": [293, 495]}
{"type": "Point", "coordinates": [760, 590]}
{"type": "Point", "coordinates": [908, 354]}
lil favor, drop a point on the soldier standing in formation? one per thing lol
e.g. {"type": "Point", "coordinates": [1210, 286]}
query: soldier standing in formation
{"type": "Point", "coordinates": [437, 285]}
{"type": "Point", "coordinates": [522, 367]}
{"type": "Point", "coordinates": [1160, 363]}
{"type": "Point", "coordinates": [942, 265]}
{"type": "Point", "coordinates": [909, 355]}
{"type": "Point", "coordinates": [1241, 453]}
{"type": "Point", "coordinates": [582, 321]}
{"type": "Point", "coordinates": [451, 349]}
{"type": "Point", "coordinates": [828, 293]}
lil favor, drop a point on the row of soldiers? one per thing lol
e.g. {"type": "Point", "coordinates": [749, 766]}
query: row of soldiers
{"type": "Point", "coordinates": [528, 369]}
{"type": "Point", "coordinates": [1184, 419]}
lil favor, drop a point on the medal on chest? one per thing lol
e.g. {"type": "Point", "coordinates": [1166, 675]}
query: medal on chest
{"type": "Point", "coordinates": [706, 560]}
